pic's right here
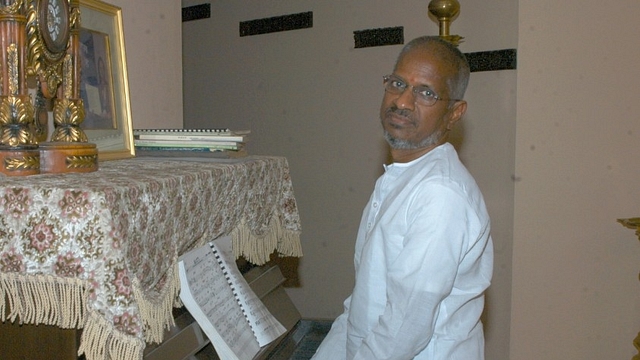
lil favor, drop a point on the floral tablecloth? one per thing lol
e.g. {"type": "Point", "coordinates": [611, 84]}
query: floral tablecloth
{"type": "Point", "coordinates": [99, 251]}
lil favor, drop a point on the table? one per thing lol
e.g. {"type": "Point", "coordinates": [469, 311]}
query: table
{"type": "Point", "coordinates": [99, 251]}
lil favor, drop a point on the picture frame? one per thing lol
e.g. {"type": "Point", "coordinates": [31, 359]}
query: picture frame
{"type": "Point", "coordinates": [104, 84]}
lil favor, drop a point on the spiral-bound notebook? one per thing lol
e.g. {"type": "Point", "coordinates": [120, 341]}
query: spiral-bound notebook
{"type": "Point", "coordinates": [218, 297]}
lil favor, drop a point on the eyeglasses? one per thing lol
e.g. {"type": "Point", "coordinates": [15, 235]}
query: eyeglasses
{"type": "Point", "coordinates": [423, 94]}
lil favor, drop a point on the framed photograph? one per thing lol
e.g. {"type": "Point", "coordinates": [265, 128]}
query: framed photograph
{"type": "Point", "coordinates": [104, 84]}
{"type": "Point", "coordinates": [96, 84]}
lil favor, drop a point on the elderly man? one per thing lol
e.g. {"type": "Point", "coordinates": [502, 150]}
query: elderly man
{"type": "Point", "coordinates": [423, 255]}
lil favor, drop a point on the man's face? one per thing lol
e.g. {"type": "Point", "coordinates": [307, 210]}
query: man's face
{"type": "Point", "coordinates": [410, 125]}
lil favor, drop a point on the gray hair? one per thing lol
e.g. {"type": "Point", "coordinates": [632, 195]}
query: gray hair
{"type": "Point", "coordinates": [448, 53]}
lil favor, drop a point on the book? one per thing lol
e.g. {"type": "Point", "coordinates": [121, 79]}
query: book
{"type": "Point", "coordinates": [188, 143]}
{"type": "Point", "coordinates": [195, 137]}
{"type": "Point", "coordinates": [190, 153]}
{"type": "Point", "coordinates": [191, 134]}
{"type": "Point", "coordinates": [186, 131]}
{"type": "Point", "coordinates": [213, 290]}
{"type": "Point", "coordinates": [189, 149]}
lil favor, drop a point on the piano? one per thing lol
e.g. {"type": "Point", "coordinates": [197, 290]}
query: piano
{"type": "Point", "coordinates": [187, 341]}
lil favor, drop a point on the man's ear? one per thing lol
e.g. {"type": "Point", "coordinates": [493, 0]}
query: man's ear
{"type": "Point", "coordinates": [455, 113]}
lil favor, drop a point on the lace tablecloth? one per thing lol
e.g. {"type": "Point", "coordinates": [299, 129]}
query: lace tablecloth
{"type": "Point", "coordinates": [99, 251]}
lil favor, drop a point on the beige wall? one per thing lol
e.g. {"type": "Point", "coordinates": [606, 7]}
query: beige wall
{"type": "Point", "coordinates": [153, 42]}
{"type": "Point", "coordinates": [565, 130]}
{"type": "Point", "coordinates": [575, 288]}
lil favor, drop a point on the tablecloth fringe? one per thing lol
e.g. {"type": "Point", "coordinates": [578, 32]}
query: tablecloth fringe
{"type": "Point", "coordinates": [101, 341]}
{"type": "Point", "coordinates": [157, 315]}
{"type": "Point", "coordinates": [42, 299]}
{"type": "Point", "coordinates": [57, 301]}
{"type": "Point", "coordinates": [257, 249]}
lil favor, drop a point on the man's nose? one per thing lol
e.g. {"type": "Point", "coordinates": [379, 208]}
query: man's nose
{"type": "Point", "coordinates": [406, 99]}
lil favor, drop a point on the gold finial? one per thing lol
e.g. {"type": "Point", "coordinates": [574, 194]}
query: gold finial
{"type": "Point", "coordinates": [445, 11]}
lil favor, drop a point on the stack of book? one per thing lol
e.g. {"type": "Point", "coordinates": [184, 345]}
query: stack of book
{"type": "Point", "coordinates": [190, 142]}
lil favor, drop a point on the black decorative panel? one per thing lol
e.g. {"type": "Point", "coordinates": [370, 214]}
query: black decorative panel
{"type": "Point", "coordinates": [276, 24]}
{"type": "Point", "coordinates": [492, 60]}
{"type": "Point", "coordinates": [378, 37]}
{"type": "Point", "coordinates": [196, 12]}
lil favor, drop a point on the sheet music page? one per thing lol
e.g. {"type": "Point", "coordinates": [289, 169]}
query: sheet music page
{"type": "Point", "coordinates": [266, 327]}
{"type": "Point", "coordinates": [205, 292]}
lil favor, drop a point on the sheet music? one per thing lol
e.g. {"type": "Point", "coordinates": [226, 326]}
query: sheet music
{"type": "Point", "coordinates": [207, 295]}
{"type": "Point", "coordinates": [265, 326]}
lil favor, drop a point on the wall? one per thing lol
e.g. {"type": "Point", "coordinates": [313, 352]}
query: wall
{"type": "Point", "coordinates": [310, 96]}
{"type": "Point", "coordinates": [575, 288]}
{"type": "Point", "coordinates": [153, 42]}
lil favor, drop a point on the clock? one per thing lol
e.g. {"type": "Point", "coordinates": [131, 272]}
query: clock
{"type": "Point", "coordinates": [53, 24]}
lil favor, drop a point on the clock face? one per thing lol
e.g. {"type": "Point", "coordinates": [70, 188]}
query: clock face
{"type": "Point", "coordinates": [53, 22]}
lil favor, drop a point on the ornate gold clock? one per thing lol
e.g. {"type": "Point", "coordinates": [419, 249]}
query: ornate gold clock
{"type": "Point", "coordinates": [40, 39]}
{"type": "Point", "coordinates": [53, 28]}
{"type": "Point", "coordinates": [53, 24]}
{"type": "Point", "coordinates": [48, 33]}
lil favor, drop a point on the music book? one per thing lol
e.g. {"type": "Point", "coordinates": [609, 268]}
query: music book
{"type": "Point", "coordinates": [188, 143]}
{"type": "Point", "coordinates": [190, 153]}
{"type": "Point", "coordinates": [218, 297]}
{"type": "Point", "coordinates": [191, 134]}
{"type": "Point", "coordinates": [194, 137]}
{"type": "Point", "coordinates": [186, 131]}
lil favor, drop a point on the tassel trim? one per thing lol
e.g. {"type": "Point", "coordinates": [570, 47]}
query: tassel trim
{"type": "Point", "coordinates": [42, 299]}
{"type": "Point", "coordinates": [257, 249]}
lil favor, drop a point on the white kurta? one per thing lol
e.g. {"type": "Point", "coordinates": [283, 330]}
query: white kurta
{"type": "Point", "coordinates": [423, 260]}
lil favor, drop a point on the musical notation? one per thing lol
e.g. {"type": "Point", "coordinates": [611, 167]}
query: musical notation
{"type": "Point", "coordinates": [219, 298]}
{"type": "Point", "coordinates": [265, 327]}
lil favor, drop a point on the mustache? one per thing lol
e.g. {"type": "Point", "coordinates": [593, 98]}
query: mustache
{"type": "Point", "coordinates": [400, 112]}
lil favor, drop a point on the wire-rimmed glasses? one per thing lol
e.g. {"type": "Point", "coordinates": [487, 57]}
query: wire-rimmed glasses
{"type": "Point", "coordinates": [423, 94]}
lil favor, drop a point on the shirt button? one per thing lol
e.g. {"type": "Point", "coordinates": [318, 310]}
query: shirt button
{"type": "Point", "coordinates": [375, 204]}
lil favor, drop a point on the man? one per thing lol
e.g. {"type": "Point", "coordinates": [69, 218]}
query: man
{"type": "Point", "coordinates": [424, 255]}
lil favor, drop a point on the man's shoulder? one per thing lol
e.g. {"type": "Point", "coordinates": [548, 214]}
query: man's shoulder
{"type": "Point", "coordinates": [443, 164]}
{"type": "Point", "coordinates": [446, 171]}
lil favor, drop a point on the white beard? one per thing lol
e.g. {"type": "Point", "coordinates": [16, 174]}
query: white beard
{"type": "Point", "coordinates": [399, 144]}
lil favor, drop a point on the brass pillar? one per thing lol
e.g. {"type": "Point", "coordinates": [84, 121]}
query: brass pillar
{"type": "Point", "coordinates": [19, 153]}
